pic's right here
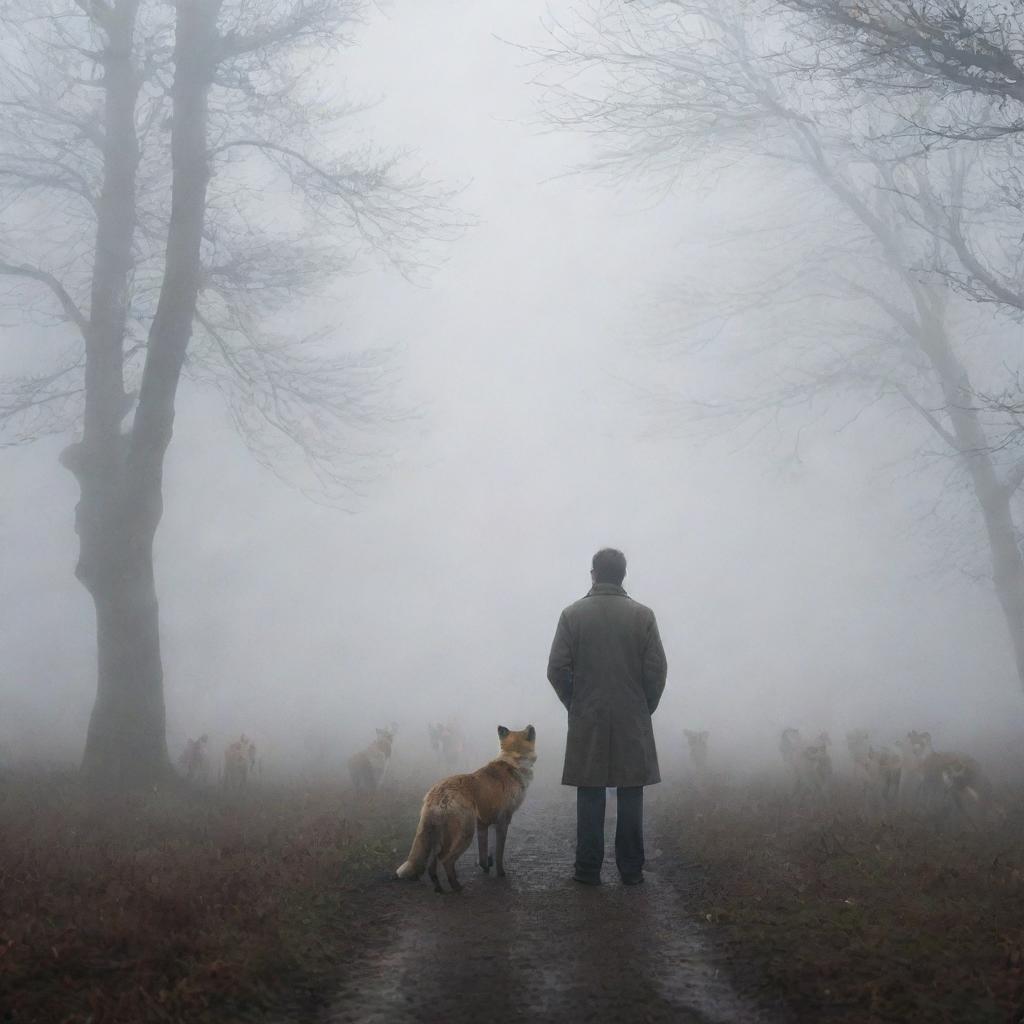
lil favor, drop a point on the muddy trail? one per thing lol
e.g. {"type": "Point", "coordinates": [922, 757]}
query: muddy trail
{"type": "Point", "coordinates": [536, 945]}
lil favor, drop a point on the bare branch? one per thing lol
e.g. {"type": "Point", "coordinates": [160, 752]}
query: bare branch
{"type": "Point", "coordinates": [290, 23]}
{"type": "Point", "coordinates": [938, 45]}
{"type": "Point", "coordinates": [294, 406]}
{"type": "Point", "coordinates": [929, 416]}
{"type": "Point", "coordinates": [71, 310]}
{"type": "Point", "coordinates": [666, 86]}
{"type": "Point", "coordinates": [36, 405]}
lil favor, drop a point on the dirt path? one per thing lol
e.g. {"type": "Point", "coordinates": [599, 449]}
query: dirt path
{"type": "Point", "coordinates": [536, 945]}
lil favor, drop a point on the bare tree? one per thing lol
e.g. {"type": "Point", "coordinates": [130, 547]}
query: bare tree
{"type": "Point", "coordinates": [953, 75]}
{"type": "Point", "coordinates": [950, 48]}
{"type": "Point", "coordinates": [140, 145]}
{"type": "Point", "coordinates": [663, 86]}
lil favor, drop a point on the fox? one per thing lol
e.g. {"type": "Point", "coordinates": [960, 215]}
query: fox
{"type": "Point", "coordinates": [815, 767]}
{"type": "Point", "coordinates": [955, 782]}
{"type": "Point", "coordinates": [915, 747]}
{"type": "Point", "coordinates": [452, 807]}
{"type": "Point", "coordinates": [885, 767]}
{"type": "Point", "coordinates": [369, 768]}
{"type": "Point", "coordinates": [877, 769]}
{"type": "Point", "coordinates": [193, 761]}
{"type": "Point", "coordinates": [239, 762]}
{"type": "Point", "coordinates": [809, 764]}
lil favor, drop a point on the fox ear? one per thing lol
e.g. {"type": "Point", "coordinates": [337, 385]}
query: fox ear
{"type": "Point", "coordinates": [502, 732]}
{"type": "Point", "coordinates": [531, 733]}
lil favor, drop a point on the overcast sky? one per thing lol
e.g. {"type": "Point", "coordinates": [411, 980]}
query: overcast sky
{"type": "Point", "coordinates": [803, 597]}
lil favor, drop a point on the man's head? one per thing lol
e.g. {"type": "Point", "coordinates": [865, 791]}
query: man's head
{"type": "Point", "coordinates": [608, 566]}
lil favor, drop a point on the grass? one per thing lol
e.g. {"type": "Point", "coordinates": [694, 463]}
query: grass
{"type": "Point", "coordinates": [180, 906]}
{"type": "Point", "coordinates": [853, 920]}
{"type": "Point", "coordinates": [192, 906]}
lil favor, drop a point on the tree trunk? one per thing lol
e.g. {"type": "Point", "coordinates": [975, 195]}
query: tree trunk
{"type": "Point", "coordinates": [126, 742]}
{"type": "Point", "coordinates": [127, 739]}
{"type": "Point", "coordinates": [1008, 574]}
{"type": "Point", "coordinates": [968, 438]}
{"type": "Point", "coordinates": [992, 494]}
{"type": "Point", "coordinates": [127, 731]}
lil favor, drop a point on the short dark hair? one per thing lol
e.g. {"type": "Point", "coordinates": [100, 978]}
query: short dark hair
{"type": "Point", "coordinates": [609, 566]}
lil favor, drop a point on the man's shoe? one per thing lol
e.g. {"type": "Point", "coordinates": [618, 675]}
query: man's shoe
{"type": "Point", "coordinates": [587, 879]}
{"type": "Point", "coordinates": [633, 879]}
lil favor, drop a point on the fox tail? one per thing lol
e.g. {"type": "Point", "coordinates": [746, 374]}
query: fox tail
{"type": "Point", "coordinates": [422, 845]}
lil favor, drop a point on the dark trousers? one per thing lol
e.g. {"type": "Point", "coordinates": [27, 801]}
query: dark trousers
{"type": "Point", "coordinates": [629, 831]}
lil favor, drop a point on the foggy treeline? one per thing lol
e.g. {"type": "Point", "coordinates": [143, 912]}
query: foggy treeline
{"type": "Point", "coordinates": [734, 286]}
{"type": "Point", "coordinates": [127, 120]}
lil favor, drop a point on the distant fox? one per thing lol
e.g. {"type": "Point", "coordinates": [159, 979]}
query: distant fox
{"type": "Point", "coordinates": [369, 768]}
{"type": "Point", "coordinates": [953, 782]}
{"type": "Point", "coordinates": [239, 762]}
{"type": "Point", "coordinates": [453, 807]}
{"type": "Point", "coordinates": [878, 770]}
{"type": "Point", "coordinates": [915, 747]}
{"type": "Point", "coordinates": [809, 764]}
{"type": "Point", "coordinates": [193, 761]}
{"type": "Point", "coordinates": [816, 767]}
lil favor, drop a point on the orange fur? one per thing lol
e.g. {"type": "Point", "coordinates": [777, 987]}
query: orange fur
{"type": "Point", "coordinates": [454, 807]}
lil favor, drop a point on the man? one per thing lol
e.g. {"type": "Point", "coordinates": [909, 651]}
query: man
{"type": "Point", "coordinates": [608, 668]}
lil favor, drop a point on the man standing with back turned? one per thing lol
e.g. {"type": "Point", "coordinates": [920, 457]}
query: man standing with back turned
{"type": "Point", "coordinates": [608, 668]}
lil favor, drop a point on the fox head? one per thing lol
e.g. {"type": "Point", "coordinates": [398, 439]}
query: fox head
{"type": "Point", "coordinates": [519, 744]}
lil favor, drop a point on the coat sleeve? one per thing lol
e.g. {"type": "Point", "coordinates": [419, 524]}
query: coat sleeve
{"type": "Point", "coordinates": [655, 667]}
{"type": "Point", "coordinates": [560, 662]}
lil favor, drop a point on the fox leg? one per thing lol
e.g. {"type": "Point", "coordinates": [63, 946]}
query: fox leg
{"type": "Point", "coordinates": [432, 871]}
{"type": "Point", "coordinates": [500, 831]}
{"type": "Point", "coordinates": [449, 855]}
{"type": "Point", "coordinates": [457, 838]}
{"type": "Point", "coordinates": [449, 870]}
{"type": "Point", "coordinates": [442, 854]}
{"type": "Point", "coordinates": [485, 860]}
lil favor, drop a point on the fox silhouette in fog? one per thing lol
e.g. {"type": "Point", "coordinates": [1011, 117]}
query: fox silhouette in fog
{"type": "Point", "coordinates": [453, 807]}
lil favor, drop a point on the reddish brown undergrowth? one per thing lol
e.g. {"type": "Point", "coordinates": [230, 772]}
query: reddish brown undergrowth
{"type": "Point", "coordinates": [178, 906]}
{"type": "Point", "coordinates": [855, 920]}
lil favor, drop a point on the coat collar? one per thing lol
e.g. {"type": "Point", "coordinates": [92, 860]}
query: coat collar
{"type": "Point", "coordinates": [606, 589]}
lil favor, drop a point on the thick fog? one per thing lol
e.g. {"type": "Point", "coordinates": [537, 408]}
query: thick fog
{"type": "Point", "coordinates": [797, 575]}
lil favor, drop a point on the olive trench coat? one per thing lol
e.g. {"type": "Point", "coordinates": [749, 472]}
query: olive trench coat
{"type": "Point", "coordinates": [608, 667]}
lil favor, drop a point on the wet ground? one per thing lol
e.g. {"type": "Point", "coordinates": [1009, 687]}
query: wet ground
{"type": "Point", "coordinates": [536, 945]}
